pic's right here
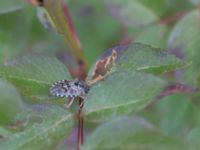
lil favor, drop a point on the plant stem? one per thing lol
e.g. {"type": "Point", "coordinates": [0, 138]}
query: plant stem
{"type": "Point", "coordinates": [170, 19]}
{"type": "Point", "coordinates": [80, 137]}
{"type": "Point", "coordinates": [177, 88]}
{"type": "Point", "coordinates": [63, 24]}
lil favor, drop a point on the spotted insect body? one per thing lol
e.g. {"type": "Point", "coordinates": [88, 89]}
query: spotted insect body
{"type": "Point", "coordinates": [70, 89]}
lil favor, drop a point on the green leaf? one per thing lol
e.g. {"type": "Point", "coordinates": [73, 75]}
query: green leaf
{"type": "Point", "coordinates": [141, 57]}
{"type": "Point", "coordinates": [33, 74]}
{"type": "Point", "coordinates": [10, 6]}
{"type": "Point", "coordinates": [154, 35]}
{"type": "Point", "coordinates": [176, 114]}
{"type": "Point", "coordinates": [193, 137]}
{"type": "Point", "coordinates": [4, 133]}
{"type": "Point", "coordinates": [10, 104]}
{"type": "Point", "coordinates": [131, 13]}
{"type": "Point", "coordinates": [135, 57]}
{"type": "Point", "coordinates": [155, 5]}
{"type": "Point", "coordinates": [128, 87]}
{"type": "Point", "coordinates": [131, 133]}
{"type": "Point", "coordinates": [166, 8]}
{"type": "Point", "coordinates": [184, 39]}
{"type": "Point", "coordinates": [121, 93]}
{"type": "Point", "coordinates": [12, 36]}
{"type": "Point", "coordinates": [45, 126]}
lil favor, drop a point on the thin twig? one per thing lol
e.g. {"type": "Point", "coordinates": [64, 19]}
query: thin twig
{"type": "Point", "coordinates": [80, 137]}
{"type": "Point", "coordinates": [61, 18]}
{"type": "Point", "coordinates": [177, 88]}
{"type": "Point", "coordinates": [63, 23]}
{"type": "Point", "coordinates": [174, 89]}
{"type": "Point", "coordinates": [173, 18]}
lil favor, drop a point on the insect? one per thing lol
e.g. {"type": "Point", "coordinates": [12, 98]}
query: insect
{"type": "Point", "coordinates": [76, 88]}
{"type": "Point", "coordinates": [70, 89]}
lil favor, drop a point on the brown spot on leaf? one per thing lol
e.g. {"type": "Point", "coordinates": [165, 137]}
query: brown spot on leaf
{"type": "Point", "coordinates": [103, 67]}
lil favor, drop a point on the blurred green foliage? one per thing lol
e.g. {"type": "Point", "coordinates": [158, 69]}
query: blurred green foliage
{"type": "Point", "coordinates": [30, 120]}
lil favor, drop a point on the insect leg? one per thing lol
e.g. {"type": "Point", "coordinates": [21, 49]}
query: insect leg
{"type": "Point", "coordinates": [70, 102]}
{"type": "Point", "coordinates": [81, 105]}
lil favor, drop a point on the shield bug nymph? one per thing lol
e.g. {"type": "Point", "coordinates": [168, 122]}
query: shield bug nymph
{"type": "Point", "coordinates": [70, 89]}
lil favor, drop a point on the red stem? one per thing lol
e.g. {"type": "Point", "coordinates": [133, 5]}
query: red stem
{"type": "Point", "coordinates": [177, 88]}
{"type": "Point", "coordinates": [80, 137]}
{"type": "Point", "coordinates": [60, 16]}
{"type": "Point", "coordinates": [80, 133]}
{"type": "Point", "coordinates": [173, 18]}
